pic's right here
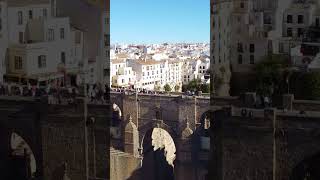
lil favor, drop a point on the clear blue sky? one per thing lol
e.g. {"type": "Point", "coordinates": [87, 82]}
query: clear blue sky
{"type": "Point", "coordinates": [158, 21]}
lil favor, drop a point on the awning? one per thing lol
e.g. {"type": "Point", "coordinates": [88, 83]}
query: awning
{"type": "Point", "coordinates": [73, 71]}
{"type": "Point", "coordinates": [45, 76]}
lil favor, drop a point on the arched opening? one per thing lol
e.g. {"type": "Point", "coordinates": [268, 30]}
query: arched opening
{"type": "Point", "coordinates": [203, 130]}
{"type": "Point", "coordinates": [22, 160]}
{"type": "Point", "coordinates": [158, 150]}
{"type": "Point", "coordinates": [115, 125]}
{"type": "Point", "coordinates": [116, 115]}
{"type": "Point", "coordinates": [308, 169]}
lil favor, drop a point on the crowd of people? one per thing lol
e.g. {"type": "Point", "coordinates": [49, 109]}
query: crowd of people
{"type": "Point", "coordinates": [56, 95]}
{"type": "Point", "coordinates": [96, 93]}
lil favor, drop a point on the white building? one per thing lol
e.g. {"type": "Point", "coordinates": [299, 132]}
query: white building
{"type": "Point", "coordinates": [3, 37]}
{"type": "Point", "coordinates": [93, 17]}
{"type": "Point", "coordinates": [174, 74]}
{"type": "Point", "coordinates": [125, 77]}
{"type": "Point", "coordinates": [115, 66]}
{"type": "Point", "coordinates": [39, 45]}
{"type": "Point", "coordinates": [194, 69]}
{"type": "Point", "coordinates": [148, 73]}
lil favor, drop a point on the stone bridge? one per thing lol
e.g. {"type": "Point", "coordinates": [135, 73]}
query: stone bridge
{"type": "Point", "coordinates": [183, 117]}
{"type": "Point", "coordinates": [246, 142]}
{"type": "Point", "coordinates": [47, 141]}
{"type": "Point", "coordinates": [266, 144]}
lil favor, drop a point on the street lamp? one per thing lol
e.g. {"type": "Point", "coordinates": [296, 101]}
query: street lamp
{"type": "Point", "coordinates": [85, 103]}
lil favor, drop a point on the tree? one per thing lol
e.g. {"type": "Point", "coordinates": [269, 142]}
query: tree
{"type": "Point", "coordinates": [194, 85]}
{"type": "Point", "coordinates": [205, 88]}
{"type": "Point", "coordinates": [310, 86]}
{"type": "Point", "coordinates": [270, 74]}
{"type": "Point", "coordinates": [176, 88]}
{"type": "Point", "coordinates": [157, 88]}
{"type": "Point", "coordinates": [167, 87]}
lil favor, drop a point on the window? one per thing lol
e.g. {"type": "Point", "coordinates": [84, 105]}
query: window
{"type": "Point", "coordinates": [106, 40]}
{"type": "Point", "coordinates": [317, 22]}
{"type": "Point", "coordinates": [122, 80]}
{"type": "Point", "coordinates": [242, 5]}
{"type": "Point", "coordinates": [78, 37]}
{"type": "Point", "coordinates": [300, 19]}
{"type": "Point", "coordinates": [240, 47]}
{"type": "Point", "coordinates": [61, 33]}
{"type": "Point", "coordinates": [267, 19]}
{"type": "Point", "coordinates": [251, 48]}
{"type": "Point", "coordinates": [289, 18]}
{"type": "Point", "coordinates": [45, 12]}
{"type": "Point", "coordinates": [300, 32]}
{"type": "Point", "coordinates": [105, 72]}
{"type": "Point", "coordinates": [50, 34]}
{"type": "Point", "coordinates": [281, 48]}
{"type": "Point", "coordinates": [0, 24]}
{"type": "Point", "coordinates": [239, 59]}
{"type": "Point", "coordinates": [63, 57]}
{"type": "Point", "coordinates": [30, 14]}
{"type": "Point", "coordinates": [41, 61]}
{"type": "Point", "coordinates": [289, 32]}
{"type": "Point", "coordinates": [21, 37]}
{"type": "Point", "coordinates": [251, 59]}
{"type": "Point", "coordinates": [20, 20]}
{"type": "Point", "coordinates": [18, 62]}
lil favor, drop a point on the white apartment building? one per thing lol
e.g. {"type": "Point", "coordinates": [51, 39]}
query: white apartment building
{"type": "Point", "coordinates": [115, 65]}
{"type": "Point", "coordinates": [21, 12]}
{"type": "Point", "coordinates": [194, 69]}
{"type": "Point", "coordinates": [3, 37]}
{"type": "Point", "coordinates": [43, 50]}
{"type": "Point", "coordinates": [240, 36]}
{"type": "Point", "coordinates": [39, 45]}
{"type": "Point", "coordinates": [174, 74]}
{"type": "Point", "coordinates": [148, 73]}
{"type": "Point", "coordinates": [125, 77]}
{"type": "Point", "coordinates": [74, 66]}
{"type": "Point", "coordinates": [91, 16]}
{"type": "Point", "coordinates": [295, 18]}
{"type": "Point", "coordinates": [240, 32]}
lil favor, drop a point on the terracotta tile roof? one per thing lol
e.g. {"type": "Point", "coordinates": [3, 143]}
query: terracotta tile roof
{"type": "Point", "coordinates": [122, 56]}
{"type": "Point", "coordinates": [117, 61]}
{"type": "Point", "coordinates": [148, 62]}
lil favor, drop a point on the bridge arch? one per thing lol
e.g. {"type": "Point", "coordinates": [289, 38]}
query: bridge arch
{"type": "Point", "coordinates": [116, 114]}
{"type": "Point", "coordinates": [22, 156]}
{"type": "Point", "coordinates": [158, 149]}
{"type": "Point", "coordinates": [307, 169]}
{"type": "Point", "coordinates": [116, 121]}
{"type": "Point", "coordinates": [117, 98]}
{"type": "Point", "coordinates": [20, 147]}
